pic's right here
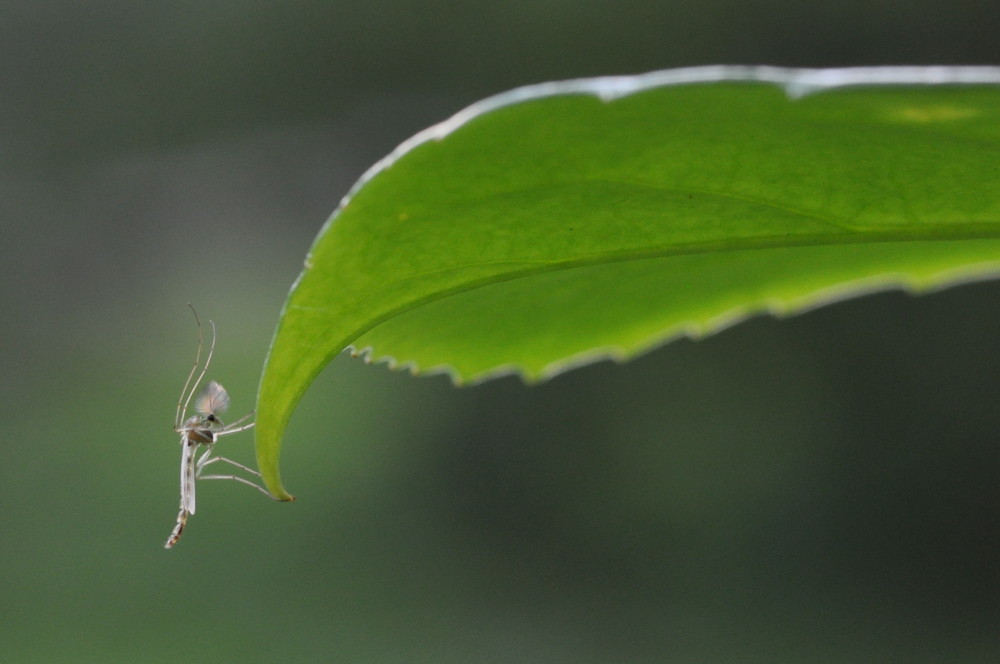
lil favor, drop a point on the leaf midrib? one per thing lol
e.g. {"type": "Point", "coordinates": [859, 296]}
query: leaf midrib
{"type": "Point", "coordinates": [971, 232]}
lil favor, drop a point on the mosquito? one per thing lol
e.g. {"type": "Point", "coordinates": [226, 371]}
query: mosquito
{"type": "Point", "coordinates": [203, 430]}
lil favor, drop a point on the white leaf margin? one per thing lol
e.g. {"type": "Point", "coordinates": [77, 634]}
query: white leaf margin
{"type": "Point", "coordinates": [797, 83]}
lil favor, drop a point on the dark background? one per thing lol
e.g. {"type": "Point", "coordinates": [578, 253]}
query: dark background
{"type": "Point", "coordinates": [817, 489]}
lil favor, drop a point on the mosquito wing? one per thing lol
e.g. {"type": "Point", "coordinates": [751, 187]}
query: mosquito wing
{"type": "Point", "coordinates": [187, 475]}
{"type": "Point", "coordinates": [213, 399]}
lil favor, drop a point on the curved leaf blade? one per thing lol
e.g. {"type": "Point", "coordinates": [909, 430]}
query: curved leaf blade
{"type": "Point", "coordinates": [589, 219]}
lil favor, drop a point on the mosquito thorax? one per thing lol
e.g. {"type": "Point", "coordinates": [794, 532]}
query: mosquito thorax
{"type": "Point", "coordinates": [201, 428]}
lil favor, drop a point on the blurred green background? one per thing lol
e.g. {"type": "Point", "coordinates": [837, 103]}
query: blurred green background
{"type": "Point", "coordinates": [818, 489]}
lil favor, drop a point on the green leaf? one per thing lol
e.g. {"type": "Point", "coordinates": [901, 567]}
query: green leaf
{"type": "Point", "coordinates": [569, 222]}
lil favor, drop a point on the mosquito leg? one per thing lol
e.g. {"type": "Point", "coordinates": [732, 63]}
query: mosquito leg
{"type": "Point", "coordinates": [204, 460]}
{"type": "Point", "coordinates": [242, 480]}
{"type": "Point", "coordinates": [231, 428]}
{"type": "Point", "coordinates": [227, 430]}
{"type": "Point", "coordinates": [231, 463]}
{"type": "Point", "coordinates": [182, 408]}
{"type": "Point", "coordinates": [182, 402]}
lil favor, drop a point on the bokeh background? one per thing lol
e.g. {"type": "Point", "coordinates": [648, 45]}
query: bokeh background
{"type": "Point", "coordinates": [817, 489]}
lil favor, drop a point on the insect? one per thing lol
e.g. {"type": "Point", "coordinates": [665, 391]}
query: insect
{"type": "Point", "coordinates": [203, 430]}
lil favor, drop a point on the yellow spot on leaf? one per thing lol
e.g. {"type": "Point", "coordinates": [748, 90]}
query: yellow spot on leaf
{"type": "Point", "coordinates": [929, 114]}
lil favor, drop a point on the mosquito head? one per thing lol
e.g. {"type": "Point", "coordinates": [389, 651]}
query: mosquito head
{"type": "Point", "coordinates": [213, 399]}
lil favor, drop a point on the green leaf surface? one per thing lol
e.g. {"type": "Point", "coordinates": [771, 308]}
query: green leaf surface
{"type": "Point", "coordinates": [569, 222]}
